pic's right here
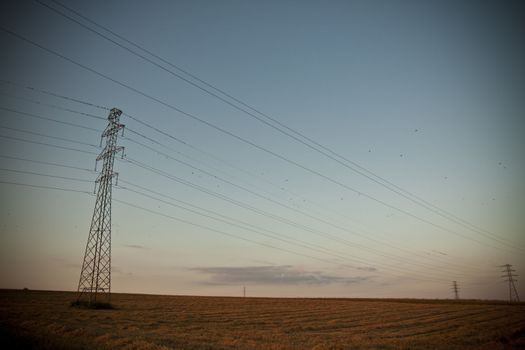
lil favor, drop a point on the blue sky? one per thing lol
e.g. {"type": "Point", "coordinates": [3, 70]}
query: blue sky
{"type": "Point", "coordinates": [427, 95]}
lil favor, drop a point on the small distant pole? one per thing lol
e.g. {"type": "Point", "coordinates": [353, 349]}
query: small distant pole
{"type": "Point", "coordinates": [513, 292]}
{"type": "Point", "coordinates": [244, 291]}
{"type": "Point", "coordinates": [455, 289]}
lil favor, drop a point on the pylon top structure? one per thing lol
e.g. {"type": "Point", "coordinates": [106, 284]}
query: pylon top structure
{"type": "Point", "coordinates": [94, 285]}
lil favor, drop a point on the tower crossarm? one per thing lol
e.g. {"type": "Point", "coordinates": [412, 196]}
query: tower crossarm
{"type": "Point", "coordinates": [109, 151]}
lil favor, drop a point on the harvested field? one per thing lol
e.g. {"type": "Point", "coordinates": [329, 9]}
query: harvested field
{"type": "Point", "coordinates": [44, 320]}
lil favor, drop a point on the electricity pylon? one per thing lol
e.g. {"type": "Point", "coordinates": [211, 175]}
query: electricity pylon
{"type": "Point", "coordinates": [455, 289]}
{"type": "Point", "coordinates": [95, 278]}
{"type": "Point", "coordinates": [510, 278]}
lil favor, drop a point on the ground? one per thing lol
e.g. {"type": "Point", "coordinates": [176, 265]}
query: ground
{"type": "Point", "coordinates": [45, 320]}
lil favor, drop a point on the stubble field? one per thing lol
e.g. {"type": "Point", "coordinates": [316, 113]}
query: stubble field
{"type": "Point", "coordinates": [44, 320]}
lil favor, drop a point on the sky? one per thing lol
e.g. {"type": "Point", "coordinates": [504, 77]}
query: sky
{"type": "Point", "coordinates": [362, 148]}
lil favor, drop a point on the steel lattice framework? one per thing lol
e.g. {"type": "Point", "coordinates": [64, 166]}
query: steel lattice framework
{"type": "Point", "coordinates": [455, 289]}
{"type": "Point", "coordinates": [95, 278]}
{"type": "Point", "coordinates": [509, 275]}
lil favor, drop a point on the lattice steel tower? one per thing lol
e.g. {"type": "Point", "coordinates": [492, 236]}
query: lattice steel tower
{"type": "Point", "coordinates": [513, 292]}
{"type": "Point", "coordinates": [95, 278]}
{"type": "Point", "coordinates": [455, 289]}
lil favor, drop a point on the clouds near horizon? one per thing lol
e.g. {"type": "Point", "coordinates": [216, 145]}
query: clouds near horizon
{"type": "Point", "coordinates": [284, 274]}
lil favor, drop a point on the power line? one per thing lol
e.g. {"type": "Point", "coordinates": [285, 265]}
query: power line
{"type": "Point", "coordinates": [276, 202]}
{"type": "Point", "coordinates": [276, 236]}
{"type": "Point", "coordinates": [229, 220]}
{"type": "Point", "coordinates": [187, 156]}
{"type": "Point", "coordinates": [52, 106]}
{"type": "Point", "coordinates": [273, 216]}
{"type": "Point", "coordinates": [176, 219]}
{"type": "Point", "coordinates": [193, 147]}
{"type": "Point", "coordinates": [44, 175]}
{"type": "Point", "coordinates": [318, 147]}
{"type": "Point", "coordinates": [229, 182]}
{"type": "Point", "coordinates": [243, 225]}
{"type": "Point", "coordinates": [225, 198]}
{"type": "Point", "coordinates": [49, 136]}
{"type": "Point", "coordinates": [302, 227]}
{"type": "Point", "coordinates": [189, 115]}
{"type": "Point", "coordinates": [68, 98]}
{"type": "Point", "coordinates": [246, 239]}
{"type": "Point", "coordinates": [135, 191]}
{"type": "Point", "coordinates": [207, 154]}
{"type": "Point", "coordinates": [188, 145]}
{"type": "Point", "coordinates": [222, 232]}
{"type": "Point", "coordinates": [156, 142]}
{"type": "Point", "coordinates": [45, 163]}
{"type": "Point", "coordinates": [272, 234]}
{"type": "Point", "coordinates": [45, 187]}
{"type": "Point", "coordinates": [47, 144]}
{"type": "Point", "coordinates": [185, 221]}
{"type": "Point", "coordinates": [299, 226]}
{"type": "Point", "coordinates": [31, 115]}
{"type": "Point", "coordinates": [8, 82]}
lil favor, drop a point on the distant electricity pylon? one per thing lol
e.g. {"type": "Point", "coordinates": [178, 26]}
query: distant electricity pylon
{"type": "Point", "coordinates": [455, 289]}
{"type": "Point", "coordinates": [513, 293]}
{"type": "Point", "coordinates": [95, 278]}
